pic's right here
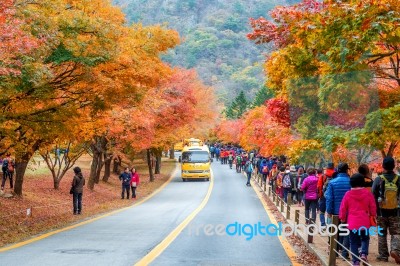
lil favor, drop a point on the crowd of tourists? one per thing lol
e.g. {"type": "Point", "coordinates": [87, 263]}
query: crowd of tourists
{"type": "Point", "coordinates": [354, 195]}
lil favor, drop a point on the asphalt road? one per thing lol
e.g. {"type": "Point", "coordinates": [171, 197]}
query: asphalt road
{"type": "Point", "coordinates": [126, 237]}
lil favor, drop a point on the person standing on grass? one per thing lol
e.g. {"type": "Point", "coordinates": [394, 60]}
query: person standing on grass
{"type": "Point", "coordinates": [8, 171]}
{"type": "Point", "coordinates": [134, 182]}
{"type": "Point", "coordinates": [386, 189]}
{"type": "Point", "coordinates": [77, 184]}
{"type": "Point", "coordinates": [310, 188]}
{"type": "Point", "coordinates": [334, 194]}
{"type": "Point", "coordinates": [125, 178]}
{"type": "Point", "coordinates": [358, 210]}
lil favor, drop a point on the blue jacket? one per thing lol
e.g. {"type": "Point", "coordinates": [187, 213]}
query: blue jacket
{"type": "Point", "coordinates": [335, 191]}
{"type": "Point", "coordinates": [263, 163]}
{"type": "Point", "coordinates": [125, 178]}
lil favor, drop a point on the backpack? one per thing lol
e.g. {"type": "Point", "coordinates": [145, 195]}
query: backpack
{"type": "Point", "coordinates": [390, 197]}
{"type": "Point", "coordinates": [5, 165]}
{"type": "Point", "coordinates": [11, 167]}
{"type": "Point", "coordinates": [249, 168]}
{"type": "Point", "coordinates": [265, 169]}
{"type": "Point", "coordinates": [286, 183]}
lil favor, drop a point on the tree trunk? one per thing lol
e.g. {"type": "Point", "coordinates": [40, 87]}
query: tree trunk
{"type": "Point", "coordinates": [172, 153]}
{"type": "Point", "coordinates": [149, 165]}
{"type": "Point", "coordinates": [21, 163]}
{"type": "Point", "coordinates": [20, 168]}
{"type": "Point", "coordinates": [93, 170]}
{"type": "Point", "coordinates": [56, 184]}
{"type": "Point", "coordinates": [107, 169]}
{"type": "Point", "coordinates": [158, 165]}
{"type": "Point", "coordinates": [116, 165]}
{"type": "Point", "coordinates": [99, 167]}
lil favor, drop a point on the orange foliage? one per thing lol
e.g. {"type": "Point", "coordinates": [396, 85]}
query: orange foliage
{"type": "Point", "coordinates": [228, 131]}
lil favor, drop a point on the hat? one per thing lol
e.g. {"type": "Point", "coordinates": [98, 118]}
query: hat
{"type": "Point", "coordinates": [293, 168]}
{"type": "Point", "coordinates": [343, 167]}
{"type": "Point", "coordinates": [357, 180]}
{"type": "Point", "coordinates": [331, 166]}
{"type": "Point", "coordinates": [388, 163]}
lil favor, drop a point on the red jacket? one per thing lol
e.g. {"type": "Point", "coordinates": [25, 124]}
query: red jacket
{"type": "Point", "coordinates": [321, 181]}
{"type": "Point", "coordinates": [135, 178]}
{"type": "Point", "coordinates": [356, 208]}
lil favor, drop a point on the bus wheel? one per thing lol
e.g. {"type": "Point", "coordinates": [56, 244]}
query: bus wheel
{"type": "Point", "coordinates": [207, 179]}
{"type": "Point", "coordinates": [184, 179]}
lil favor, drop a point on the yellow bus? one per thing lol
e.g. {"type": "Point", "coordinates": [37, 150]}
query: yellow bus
{"type": "Point", "coordinates": [178, 146]}
{"type": "Point", "coordinates": [192, 142]}
{"type": "Point", "coordinates": [196, 163]}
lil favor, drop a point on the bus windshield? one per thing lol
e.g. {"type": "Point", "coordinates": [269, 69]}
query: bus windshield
{"type": "Point", "coordinates": [195, 157]}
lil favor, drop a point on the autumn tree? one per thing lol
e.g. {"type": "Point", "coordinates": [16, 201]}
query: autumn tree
{"type": "Point", "coordinates": [331, 70]}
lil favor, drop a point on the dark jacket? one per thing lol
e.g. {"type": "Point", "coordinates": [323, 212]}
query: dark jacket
{"type": "Point", "coordinates": [125, 178]}
{"type": "Point", "coordinates": [77, 183]}
{"type": "Point", "coordinates": [376, 190]}
{"type": "Point", "coordinates": [335, 192]}
{"type": "Point", "coordinates": [293, 179]}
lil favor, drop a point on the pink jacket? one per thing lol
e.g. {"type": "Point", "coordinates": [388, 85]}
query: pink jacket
{"type": "Point", "coordinates": [310, 187]}
{"type": "Point", "coordinates": [356, 208]}
{"type": "Point", "coordinates": [135, 178]}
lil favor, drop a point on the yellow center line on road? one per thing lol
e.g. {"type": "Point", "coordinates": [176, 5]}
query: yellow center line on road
{"type": "Point", "coordinates": [155, 252]}
{"type": "Point", "coordinates": [43, 236]}
{"type": "Point", "coordinates": [285, 244]}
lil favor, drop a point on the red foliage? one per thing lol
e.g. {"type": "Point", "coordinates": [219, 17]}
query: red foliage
{"type": "Point", "coordinates": [14, 42]}
{"type": "Point", "coordinates": [279, 111]}
{"type": "Point", "coordinates": [265, 31]}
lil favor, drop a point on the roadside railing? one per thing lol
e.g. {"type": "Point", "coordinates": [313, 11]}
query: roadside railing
{"type": "Point", "coordinates": [329, 242]}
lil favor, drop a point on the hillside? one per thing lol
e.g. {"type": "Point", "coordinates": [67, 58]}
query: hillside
{"type": "Point", "coordinates": [214, 38]}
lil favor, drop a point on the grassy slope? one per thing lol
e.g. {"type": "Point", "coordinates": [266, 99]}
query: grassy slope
{"type": "Point", "coordinates": [53, 208]}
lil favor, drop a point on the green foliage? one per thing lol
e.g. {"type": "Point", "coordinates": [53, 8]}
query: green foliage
{"type": "Point", "coordinates": [61, 55]}
{"type": "Point", "coordinates": [238, 107]}
{"type": "Point", "coordinates": [214, 39]}
{"type": "Point", "coordinates": [262, 96]}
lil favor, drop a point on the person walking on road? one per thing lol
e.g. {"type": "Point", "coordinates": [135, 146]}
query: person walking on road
{"type": "Point", "coordinates": [364, 170]}
{"type": "Point", "coordinates": [293, 175]}
{"type": "Point", "coordinates": [264, 170]}
{"type": "Point", "coordinates": [125, 178]}
{"type": "Point", "coordinates": [77, 188]}
{"type": "Point", "coordinates": [249, 170]}
{"type": "Point", "coordinates": [310, 188]}
{"type": "Point", "coordinates": [334, 194]}
{"type": "Point", "coordinates": [286, 184]}
{"type": "Point", "coordinates": [358, 209]}
{"type": "Point", "coordinates": [134, 182]}
{"type": "Point", "coordinates": [299, 181]}
{"type": "Point", "coordinates": [230, 159]}
{"type": "Point", "coordinates": [386, 189]}
{"type": "Point", "coordinates": [238, 163]}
